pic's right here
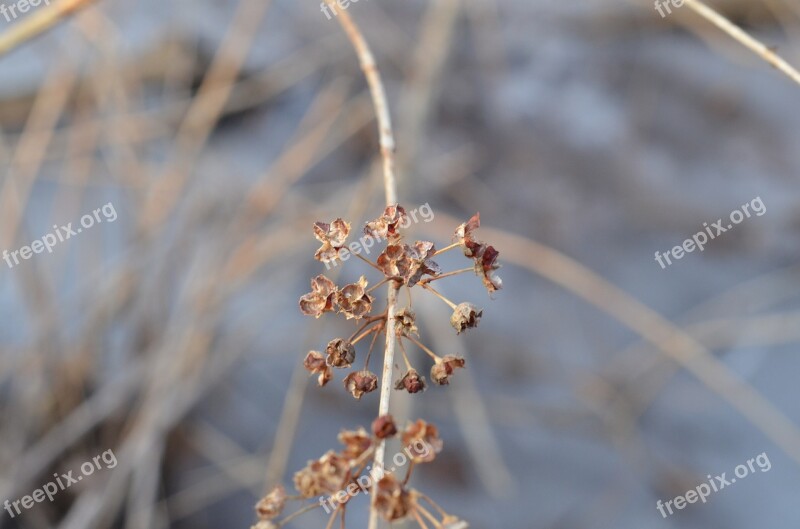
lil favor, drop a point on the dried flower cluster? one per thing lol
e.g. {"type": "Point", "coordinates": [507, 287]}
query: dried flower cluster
{"type": "Point", "coordinates": [407, 265]}
{"type": "Point", "coordinates": [337, 476]}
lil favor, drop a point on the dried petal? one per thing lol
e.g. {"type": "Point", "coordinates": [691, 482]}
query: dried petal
{"type": "Point", "coordinates": [389, 258]}
{"type": "Point", "coordinates": [384, 427]}
{"type": "Point", "coordinates": [464, 235]}
{"type": "Point", "coordinates": [465, 316]}
{"type": "Point", "coordinates": [320, 299]}
{"type": "Point", "coordinates": [424, 440]}
{"type": "Point", "coordinates": [360, 382]}
{"type": "Point", "coordinates": [322, 476]}
{"type": "Point", "coordinates": [355, 442]}
{"type": "Point", "coordinates": [387, 225]}
{"type": "Point", "coordinates": [485, 266]}
{"type": "Point", "coordinates": [271, 505]}
{"type": "Point", "coordinates": [392, 501]}
{"type": "Point", "coordinates": [411, 382]}
{"type": "Point", "coordinates": [332, 236]}
{"type": "Point", "coordinates": [353, 300]}
{"type": "Point", "coordinates": [315, 364]}
{"type": "Point", "coordinates": [341, 353]}
{"type": "Point", "coordinates": [405, 322]}
{"type": "Point", "coordinates": [444, 367]}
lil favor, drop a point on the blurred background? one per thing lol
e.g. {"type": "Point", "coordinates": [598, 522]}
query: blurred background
{"type": "Point", "coordinates": [589, 135]}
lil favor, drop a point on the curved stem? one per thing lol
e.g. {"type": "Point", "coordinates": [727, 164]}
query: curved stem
{"type": "Point", "coordinates": [378, 93]}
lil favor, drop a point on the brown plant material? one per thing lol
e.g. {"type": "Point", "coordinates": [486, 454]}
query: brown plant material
{"type": "Point", "coordinates": [426, 434]}
{"type": "Point", "coordinates": [409, 262]}
{"type": "Point", "coordinates": [483, 255]}
{"type": "Point", "coordinates": [444, 368]}
{"type": "Point", "coordinates": [405, 322]}
{"type": "Point", "coordinates": [355, 442]}
{"type": "Point", "coordinates": [359, 382]}
{"type": "Point", "coordinates": [353, 300]}
{"type": "Point", "coordinates": [384, 427]}
{"type": "Point", "coordinates": [316, 365]}
{"type": "Point", "coordinates": [321, 298]}
{"type": "Point", "coordinates": [465, 316]}
{"type": "Point", "coordinates": [392, 501]}
{"type": "Point", "coordinates": [341, 353]}
{"type": "Point", "coordinates": [411, 382]}
{"type": "Point", "coordinates": [322, 476]}
{"type": "Point", "coordinates": [333, 237]}
{"type": "Point", "coordinates": [388, 225]}
{"type": "Point", "coordinates": [271, 505]}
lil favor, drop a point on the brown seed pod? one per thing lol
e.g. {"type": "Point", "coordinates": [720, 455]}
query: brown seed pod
{"type": "Point", "coordinates": [411, 382]}
{"type": "Point", "coordinates": [465, 316]}
{"type": "Point", "coordinates": [341, 353]}
{"type": "Point", "coordinates": [360, 382]}
{"type": "Point", "coordinates": [384, 427]}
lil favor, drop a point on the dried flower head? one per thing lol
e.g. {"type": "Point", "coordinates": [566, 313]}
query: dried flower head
{"type": "Point", "coordinates": [411, 382]}
{"type": "Point", "coordinates": [486, 266]}
{"type": "Point", "coordinates": [333, 237]}
{"type": "Point", "coordinates": [354, 301]}
{"type": "Point", "coordinates": [464, 235]}
{"type": "Point", "coordinates": [320, 299]}
{"type": "Point", "coordinates": [387, 225]}
{"type": "Point", "coordinates": [271, 505]}
{"type": "Point", "coordinates": [444, 367]}
{"type": "Point", "coordinates": [392, 501]}
{"type": "Point", "coordinates": [418, 262]}
{"type": "Point", "coordinates": [315, 364]}
{"type": "Point", "coordinates": [465, 316]}
{"type": "Point", "coordinates": [384, 427]}
{"type": "Point", "coordinates": [405, 322]}
{"type": "Point", "coordinates": [360, 382]}
{"type": "Point", "coordinates": [355, 442]}
{"type": "Point", "coordinates": [322, 476]}
{"type": "Point", "coordinates": [421, 434]}
{"type": "Point", "coordinates": [341, 353]}
{"type": "Point", "coordinates": [390, 258]}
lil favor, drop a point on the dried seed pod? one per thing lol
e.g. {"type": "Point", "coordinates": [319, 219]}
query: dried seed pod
{"type": "Point", "coordinates": [271, 505]}
{"type": "Point", "coordinates": [423, 439]}
{"type": "Point", "coordinates": [322, 476]}
{"type": "Point", "coordinates": [355, 442]}
{"type": "Point", "coordinates": [360, 382]}
{"type": "Point", "coordinates": [341, 353]}
{"type": "Point", "coordinates": [444, 367]}
{"type": "Point", "coordinates": [411, 382]}
{"type": "Point", "coordinates": [320, 299]}
{"type": "Point", "coordinates": [465, 316]}
{"type": "Point", "coordinates": [384, 427]}
{"type": "Point", "coordinates": [315, 364]}
{"type": "Point", "coordinates": [388, 224]}
{"type": "Point", "coordinates": [417, 262]}
{"type": "Point", "coordinates": [390, 257]}
{"type": "Point", "coordinates": [486, 266]}
{"type": "Point", "coordinates": [464, 235]}
{"type": "Point", "coordinates": [354, 301]}
{"type": "Point", "coordinates": [392, 501]}
{"type": "Point", "coordinates": [333, 237]}
{"type": "Point", "coordinates": [405, 322]}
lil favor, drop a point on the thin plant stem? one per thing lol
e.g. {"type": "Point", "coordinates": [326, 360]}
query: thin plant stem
{"type": "Point", "coordinates": [294, 515]}
{"type": "Point", "coordinates": [405, 355]}
{"type": "Point", "coordinates": [387, 144]}
{"type": "Point", "coordinates": [371, 347]}
{"type": "Point", "coordinates": [447, 248]}
{"type": "Point", "coordinates": [383, 282]}
{"type": "Point", "coordinates": [431, 289]}
{"type": "Point", "coordinates": [332, 518]}
{"type": "Point", "coordinates": [422, 346]}
{"type": "Point", "coordinates": [375, 329]}
{"type": "Point", "coordinates": [427, 514]}
{"type": "Point", "coordinates": [448, 274]}
{"type": "Point", "coordinates": [373, 265]}
{"type": "Point", "coordinates": [366, 324]}
{"type": "Point", "coordinates": [39, 22]}
{"type": "Point", "coordinates": [420, 521]}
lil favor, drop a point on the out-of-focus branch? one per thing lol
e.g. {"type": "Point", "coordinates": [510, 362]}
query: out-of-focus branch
{"type": "Point", "coordinates": [39, 22]}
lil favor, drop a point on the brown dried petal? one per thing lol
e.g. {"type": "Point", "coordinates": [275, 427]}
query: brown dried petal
{"type": "Point", "coordinates": [405, 322]}
{"type": "Point", "coordinates": [411, 382]}
{"type": "Point", "coordinates": [389, 258]}
{"type": "Point", "coordinates": [340, 353]}
{"type": "Point", "coordinates": [360, 382]}
{"type": "Point", "coordinates": [392, 501]}
{"type": "Point", "coordinates": [322, 476]}
{"type": "Point", "coordinates": [353, 300]}
{"type": "Point", "coordinates": [332, 236]}
{"type": "Point", "coordinates": [387, 225]}
{"type": "Point", "coordinates": [384, 427]}
{"type": "Point", "coordinates": [485, 266]}
{"type": "Point", "coordinates": [271, 505]}
{"type": "Point", "coordinates": [355, 442]}
{"type": "Point", "coordinates": [320, 299]}
{"type": "Point", "coordinates": [441, 370]}
{"type": "Point", "coordinates": [423, 439]}
{"type": "Point", "coordinates": [315, 364]}
{"type": "Point", "coordinates": [465, 316]}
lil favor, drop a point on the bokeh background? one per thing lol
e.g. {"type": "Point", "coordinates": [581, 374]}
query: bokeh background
{"type": "Point", "coordinates": [588, 134]}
